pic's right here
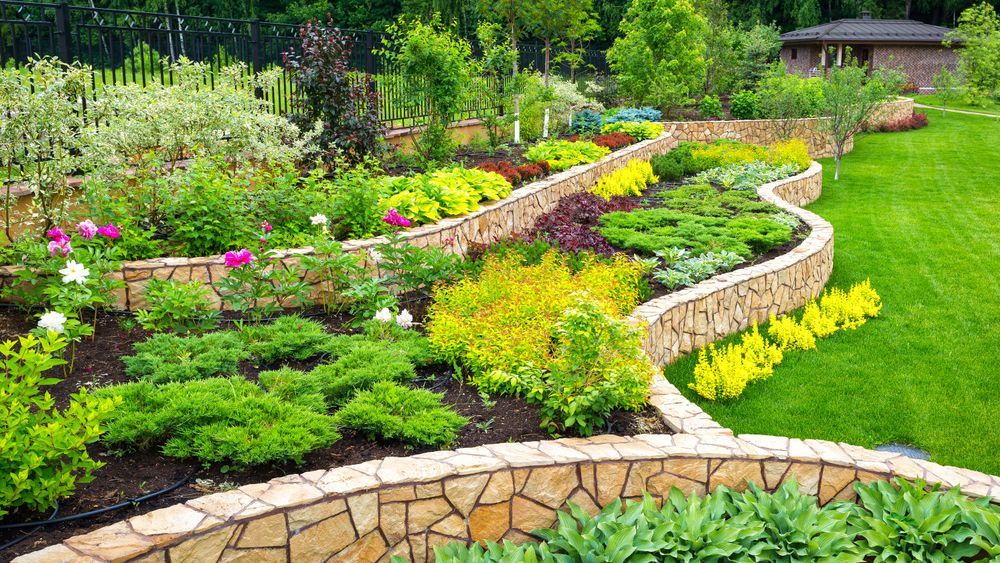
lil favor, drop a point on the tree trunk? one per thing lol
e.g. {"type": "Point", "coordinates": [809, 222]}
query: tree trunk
{"type": "Point", "coordinates": [839, 154]}
{"type": "Point", "coordinates": [572, 66]}
{"type": "Point", "coordinates": [548, 45]}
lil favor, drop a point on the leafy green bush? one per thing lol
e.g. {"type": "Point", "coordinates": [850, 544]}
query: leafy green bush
{"type": "Point", "coordinates": [745, 104]}
{"type": "Point", "coordinates": [177, 307]}
{"type": "Point", "coordinates": [391, 412]}
{"type": "Point", "coordinates": [710, 107]}
{"type": "Point", "coordinates": [355, 211]}
{"type": "Point", "coordinates": [565, 154]}
{"type": "Point", "coordinates": [44, 450]}
{"type": "Point", "coordinates": [286, 338]}
{"type": "Point", "coordinates": [598, 366]}
{"type": "Point", "coordinates": [168, 357]}
{"type": "Point", "coordinates": [229, 421]}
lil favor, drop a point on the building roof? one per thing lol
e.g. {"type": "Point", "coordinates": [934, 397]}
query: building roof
{"type": "Point", "coordinates": [860, 30]}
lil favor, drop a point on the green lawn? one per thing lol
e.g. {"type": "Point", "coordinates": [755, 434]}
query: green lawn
{"type": "Point", "coordinates": [989, 106]}
{"type": "Point", "coordinates": [919, 213]}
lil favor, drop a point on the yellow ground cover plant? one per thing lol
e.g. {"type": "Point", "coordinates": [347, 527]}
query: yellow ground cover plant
{"type": "Point", "coordinates": [724, 373]}
{"type": "Point", "coordinates": [631, 179]}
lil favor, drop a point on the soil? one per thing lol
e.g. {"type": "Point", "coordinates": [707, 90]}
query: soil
{"type": "Point", "coordinates": [468, 157]}
{"type": "Point", "coordinates": [129, 476]}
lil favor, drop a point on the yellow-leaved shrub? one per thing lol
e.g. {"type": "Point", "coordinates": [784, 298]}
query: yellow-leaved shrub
{"type": "Point", "coordinates": [790, 335]}
{"type": "Point", "coordinates": [631, 179]}
{"type": "Point", "coordinates": [724, 373]}
{"type": "Point", "coordinates": [792, 151]}
{"type": "Point", "coordinates": [504, 319]}
{"type": "Point", "coordinates": [724, 153]}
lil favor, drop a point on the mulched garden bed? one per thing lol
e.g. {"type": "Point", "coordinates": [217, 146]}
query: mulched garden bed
{"type": "Point", "coordinates": [139, 473]}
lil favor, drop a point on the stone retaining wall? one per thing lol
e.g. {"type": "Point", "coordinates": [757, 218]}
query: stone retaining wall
{"type": "Point", "coordinates": [492, 221]}
{"type": "Point", "coordinates": [768, 131]}
{"type": "Point", "coordinates": [406, 506]}
{"type": "Point", "coordinates": [685, 320]}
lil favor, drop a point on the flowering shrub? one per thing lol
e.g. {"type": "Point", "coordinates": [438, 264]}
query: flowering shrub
{"type": "Point", "coordinates": [504, 319]}
{"type": "Point", "coordinates": [260, 286]}
{"type": "Point", "coordinates": [44, 454]}
{"type": "Point", "coordinates": [562, 155]}
{"type": "Point", "coordinates": [629, 180]}
{"type": "Point", "coordinates": [640, 131]}
{"type": "Point", "coordinates": [724, 373]}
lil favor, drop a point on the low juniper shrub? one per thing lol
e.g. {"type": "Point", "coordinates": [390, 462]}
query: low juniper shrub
{"type": "Point", "coordinates": [391, 412]}
{"type": "Point", "coordinates": [168, 358]}
{"type": "Point", "coordinates": [286, 338]}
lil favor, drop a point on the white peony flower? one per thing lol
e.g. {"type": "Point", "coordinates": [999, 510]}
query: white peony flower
{"type": "Point", "coordinates": [404, 319]}
{"type": "Point", "coordinates": [384, 316]}
{"type": "Point", "coordinates": [53, 321]}
{"type": "Point", "coordinates": [74, 272]}
{"type": "Point", "coordinates": [319, 219]}
{"type": "Point", "coordinates": [376, 255]}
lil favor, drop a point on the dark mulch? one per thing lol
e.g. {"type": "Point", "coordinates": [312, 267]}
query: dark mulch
{"type": "Point", "coordinates": [467, 156]}
{"type": "Point", "coordinates": [138, 473]}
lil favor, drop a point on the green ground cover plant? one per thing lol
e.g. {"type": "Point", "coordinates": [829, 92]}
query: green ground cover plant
{"type": "Point", "coordinates": [893, 521]}
{"type": "Point", "coordinates": [168, 358]}
{"type": "Point", "coordinates": [923, 374]}
{"type": "Point", "coordinates": [389, 411]}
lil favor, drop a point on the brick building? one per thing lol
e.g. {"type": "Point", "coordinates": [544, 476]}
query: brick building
{"type": "Point", "coordinates": [913, 47]}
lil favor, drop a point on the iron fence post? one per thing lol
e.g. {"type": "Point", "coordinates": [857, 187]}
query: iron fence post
{"type": "Point", "coordinates": [256, 60]}
{"type": "Point", "coordinates": [63, 37]}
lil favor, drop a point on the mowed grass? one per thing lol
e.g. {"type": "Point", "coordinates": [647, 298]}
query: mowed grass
{"type": "Point", "coordinates": [919, 213]}
{"type": "Point", "coordinates": [989, 106]}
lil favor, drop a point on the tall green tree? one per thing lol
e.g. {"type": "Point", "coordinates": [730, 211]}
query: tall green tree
{"type": "Point", "coordinates": [660, 59]}
{"type": "Point", "coordinates": [979, 58]}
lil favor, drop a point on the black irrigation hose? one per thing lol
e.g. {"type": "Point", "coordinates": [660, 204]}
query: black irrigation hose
{"type": "Point", "coordinates": [99, 511]}
{"type": "Point", "coordinates": [31, 532]}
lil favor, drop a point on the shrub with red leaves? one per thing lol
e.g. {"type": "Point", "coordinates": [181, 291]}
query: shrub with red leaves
{"type": "Point", "coordinates": [503, 168]}
{"type": "Point", "coordinates": [544, 165]}
{"type": "Point", "coordinates": [529, 172]}
{"type": "Point", "coordinates": [915, 121]}
{"type": "Point", "coordinates": [571, 224]}
{"type": "Point", "coordinates": [614, 141]}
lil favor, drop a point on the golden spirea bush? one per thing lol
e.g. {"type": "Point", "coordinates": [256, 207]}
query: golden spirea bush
{"type": "Point", "coordinates": [505, 317]}
{"type": "Point", "coordinates": [724, 373]}
{"type": "Point", "coordinates": [792, 151]}
{"type": "Point", "coordinates": [630, 180]}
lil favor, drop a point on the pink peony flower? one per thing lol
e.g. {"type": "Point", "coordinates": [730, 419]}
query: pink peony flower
{"type": "Point", "coordinates": [266, 226]}
{"type": "Point", "coordinates": [55, 233]}
{"type": "Point", "coordinates": [239, 258]}
{"type": "Point", "coordinates": [394, 218]}
{"type": "Point", "coordinates": [60, 247]}
{"type": "Point", "coordinates": [109, 231]}
{"type": "Point", "coordinates": [87, 229]}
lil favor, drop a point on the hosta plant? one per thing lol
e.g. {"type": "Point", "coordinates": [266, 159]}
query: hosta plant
{"type": "Point", "coordinates": [565, 154]}
{"type": "Point", "coordinates": [640, 131]}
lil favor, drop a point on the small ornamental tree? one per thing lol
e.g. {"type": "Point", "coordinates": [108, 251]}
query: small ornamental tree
{"type": "Point", "coordinates": [660, 58]}
{"type": "Point", "coordinates": [947, 87]}
{"type": "Point", "coordinates": [978, 32]}
{"type": "Point", "coordinates": [435, 65]}
{"type": "Point", "coordinates": [332, 93]}
{"type": "Point", "coordinates": [40, 136]}
{"type": "Point", "coordinates": [494, 65]}
{"type": "Point", "coordinates": [851, 99]}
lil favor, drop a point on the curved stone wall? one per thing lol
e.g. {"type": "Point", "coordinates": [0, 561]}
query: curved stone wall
{"type": "Point", "coordinates": [406, 506]}
{"type": "Point", "coordinates": [688, 319]}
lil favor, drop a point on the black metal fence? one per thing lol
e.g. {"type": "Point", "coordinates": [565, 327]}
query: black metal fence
{"type": "Point", "coordinates": [125, 47]}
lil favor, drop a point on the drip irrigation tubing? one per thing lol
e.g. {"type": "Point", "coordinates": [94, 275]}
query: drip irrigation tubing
{"type": "Point", "coordinates": [97, 512]}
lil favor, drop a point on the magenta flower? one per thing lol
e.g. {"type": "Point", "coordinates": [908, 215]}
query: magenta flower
{"type": "Point", "coordinates": [60, 247]}
{"type": "Point", "coordinates": [87, 229]}
{"type": "Point", "coordinates": [109, 231]}
{"type": "Point", "coordinates": [394, 218]}
{"type": "Point", "coordinates": [239, 258]}
{"type": "Point", "coordinates": [266, 226]}
{"type": "Point", "coordinates": [55, 233]}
